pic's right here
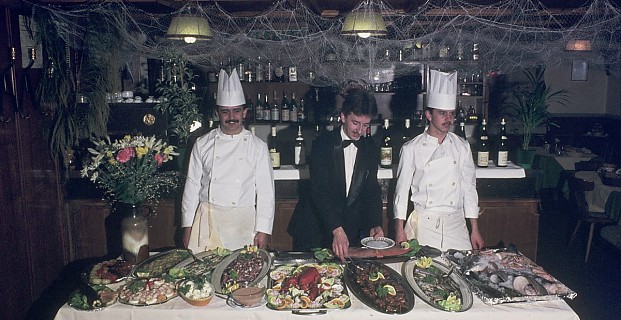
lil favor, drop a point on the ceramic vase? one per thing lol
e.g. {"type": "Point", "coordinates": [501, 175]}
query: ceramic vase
{"type": "Point", "coordinates": [134, 231]}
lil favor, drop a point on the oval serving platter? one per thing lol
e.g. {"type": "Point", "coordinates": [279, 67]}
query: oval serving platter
{"type": "Point", "coordinates": [426, 281]}
{"type": "Point", "coordinates": [379, 243]}
{"type": "Point", "coordinates": [221, 268]}
{"type": "Point", "coordinates": [364, 269]}
{"type": "Point", "coordinates": [158, 264]}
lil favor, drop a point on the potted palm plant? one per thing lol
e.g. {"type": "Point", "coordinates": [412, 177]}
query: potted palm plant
{"type": "Point", "coordinates": [530, 105]}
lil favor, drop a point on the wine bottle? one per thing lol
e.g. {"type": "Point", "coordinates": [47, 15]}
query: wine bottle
{"type": "Point", "coordinates": [269, 76]}
{"type": "Point", "coordinates": [274, 150]}
{"type": "Point", "coordinates": [462, 130]}
{"type": "Point", "coordinates": [407, 132]}
{"type": "Point", "coordinates": [503, 148]}
{"type": "Point", "coordinates": [267, 109]}
{"type": "Point", "coordinates": [299, 157]}
{"type": "Point", "coordinates": [279, 72]}
{"type": "Point", "coordinates": [284, 108]}
{"type": "Point", "coordinates": [258, 73]}
{"type": "Point", "coordinates": [386, 148]}
{"type": "Point", "coordinates": [301, 112]}
{"type": "Point", "coordinates": [258, 108]}
{"type": "Point", "coordinates": [293, 109]}
{"type": "Point", "coordinates": [275, 111]}
{"type": "Point", "coordinates": [250, 113]}
{"type": "Point", "coordinates": [483, 148]}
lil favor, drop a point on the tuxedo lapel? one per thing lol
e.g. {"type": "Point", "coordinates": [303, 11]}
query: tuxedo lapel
{"type": "Point", "coordinates": [359, 173]}
{"type": "Point", "coordinates": [339, 163]}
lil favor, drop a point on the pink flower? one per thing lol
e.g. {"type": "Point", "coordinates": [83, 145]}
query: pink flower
{"type": "Point", "coordinates": [159, 159]}
{"type": "Point", "coordinates": [125, 154]}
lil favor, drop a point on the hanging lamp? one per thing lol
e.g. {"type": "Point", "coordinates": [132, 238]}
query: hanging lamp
{"type": "Point", "coordinates": [578, 45]}
{"type": "Point", "coordinates": [189, 28]}
{"type": "Point", "coordinates": [365, 21]}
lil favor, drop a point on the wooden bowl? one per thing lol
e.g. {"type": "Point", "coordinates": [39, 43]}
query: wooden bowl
{"type": "Point", "coordinates": [198, 302]}
{"type": "Point", "coordinates": [248, 296]}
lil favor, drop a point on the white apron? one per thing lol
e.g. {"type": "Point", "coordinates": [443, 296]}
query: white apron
{"type": "Point", "coordinates": [440, 229]}
{"type": "Point", "coordinates": [222, 227]}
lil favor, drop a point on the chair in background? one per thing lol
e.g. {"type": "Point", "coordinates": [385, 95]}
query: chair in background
{"type": "Point", "coordinates": [577, 189]}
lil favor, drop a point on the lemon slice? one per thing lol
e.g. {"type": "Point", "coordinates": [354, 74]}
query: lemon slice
{"type": "Point", "coordinates": [376, 276]}
{"type": "Point", "coordinates": [390, 289]}
{"type": "Point", "coordinates": [424, 262]}
{"type": "Point", "coordinates": [405, 245]}
{"type": "Point", "coordinates": [223, 251]}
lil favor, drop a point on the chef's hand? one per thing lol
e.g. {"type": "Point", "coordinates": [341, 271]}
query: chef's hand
{"type": "Point", "coordinates": [186, 236]}
{"type": "Point", "coordinates": [376, 232]}
{"type": "Point", "coordinates": [476, 240]}
{"type": "Point", "coordinates": [260, 240]}
{"type": "Point", "coordinates": [399, 232]}
{"type": "Point", "coordinates": [340, 243]}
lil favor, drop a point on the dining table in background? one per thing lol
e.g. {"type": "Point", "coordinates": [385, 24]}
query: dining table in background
{"type": "Point", "coordinates": [553, 166]}
{"type": "Point", "coordinates": [603, 198]}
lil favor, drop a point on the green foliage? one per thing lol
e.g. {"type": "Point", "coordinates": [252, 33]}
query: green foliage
{"type": "Point", "coordinates": [178, 96]}
{"type": "Point", "coordinates": [532, 102]}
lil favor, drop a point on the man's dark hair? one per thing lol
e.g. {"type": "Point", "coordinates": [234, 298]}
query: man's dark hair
{"type": "Point", "coordinates": [359, 102]}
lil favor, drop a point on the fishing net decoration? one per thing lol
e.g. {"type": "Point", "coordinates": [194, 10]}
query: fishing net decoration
{"type": "Point", "coordinates": [509, 34]}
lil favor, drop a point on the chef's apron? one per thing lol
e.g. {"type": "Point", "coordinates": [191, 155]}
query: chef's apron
{"type": "Point", "coordinates": [222, 227]}
{"type": "Point", "coordinates": [440, 229]}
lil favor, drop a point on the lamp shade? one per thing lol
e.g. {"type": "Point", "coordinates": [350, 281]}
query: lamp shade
{"type": "Point", "coordinates": [364, 24]}
{"type": "Point", "coordinates": [189, 28]}
{"type": "Point", "coordinates": [578, 45]}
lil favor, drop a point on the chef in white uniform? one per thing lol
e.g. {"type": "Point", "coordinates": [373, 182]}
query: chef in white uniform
{"type": "Point", "coordinates": [437, 167]}
{"type": "Point", "coordinates": [228, 200]}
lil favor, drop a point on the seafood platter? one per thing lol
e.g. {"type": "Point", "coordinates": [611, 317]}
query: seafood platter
{"type": "Point", "coordinates": [203, 265]}
{"type": "Point", "coordinates": [379, 287]}
{"type": "Point", "coordinates": [501, 276]}
{"type": "Point", "coordinates": [159, 264]}
{"type": "Point", "coordinates": [437, 284]}
{"type": "Point", "coordinates": [243, 268]}
{"type": "Point", "coordinates": [310, 287]}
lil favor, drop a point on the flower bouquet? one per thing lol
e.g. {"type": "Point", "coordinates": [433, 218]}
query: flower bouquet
{"type": "Point", "coordinates": [127, 169]}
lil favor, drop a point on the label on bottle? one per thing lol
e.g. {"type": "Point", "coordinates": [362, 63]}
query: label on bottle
{"type": "Point", "coordinates": [293, 115]}
{"type": "Point", "coordinates": [298, 157]}
{"type": "Point", "coordinates": [386, 156]}
{"type": "Point", "coordinates": [275, 115]}
{"type": "Point", "coordinates": [293, 74]}
{"type": "Point", "coordinates": [284, 117]}
{"type": "Point", "coordinates": [482, 158]}
{"type": "Point", "coordinates": [503, 157]}
{"type": "Point", "coordinates": [275, 157]}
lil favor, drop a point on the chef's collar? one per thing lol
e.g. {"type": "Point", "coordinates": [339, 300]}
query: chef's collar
{"type": "Point", "coordinates": [219, 133]}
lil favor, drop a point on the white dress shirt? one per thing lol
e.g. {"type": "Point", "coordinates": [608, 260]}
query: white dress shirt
{"type": "Point", "coordinates": [230, 171]}
{"type": "Point", "coordinates": [350, 160]}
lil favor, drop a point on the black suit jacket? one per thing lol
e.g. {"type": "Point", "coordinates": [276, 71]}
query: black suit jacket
{"type": "Point", "coordinates": [326, 207]}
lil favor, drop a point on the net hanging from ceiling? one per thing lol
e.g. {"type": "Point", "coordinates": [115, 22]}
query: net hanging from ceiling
{"type": "Point", "coordinates": [508, 35]}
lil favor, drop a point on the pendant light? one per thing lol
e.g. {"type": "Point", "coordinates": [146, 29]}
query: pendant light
{"type": "Point", "coordinates": [189, 28]}
{"type": "Point", "coordinates": [578, 45]}
{"type": "Point", "coordinates": [365, 21]}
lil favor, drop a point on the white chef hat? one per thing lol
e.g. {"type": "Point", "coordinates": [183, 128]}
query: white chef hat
{"type": "Point", "coordinates": [230, 91]}
{"type": "Point", "coordinates": [442, 90]}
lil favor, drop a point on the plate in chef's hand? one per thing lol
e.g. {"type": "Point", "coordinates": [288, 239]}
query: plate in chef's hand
{"type": "Point", "coordinates": [377, 243]}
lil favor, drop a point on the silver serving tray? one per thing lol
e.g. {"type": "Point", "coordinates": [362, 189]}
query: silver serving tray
{"type": "Point", "coordinates": [135, 271]}
{"type": "Point", "coordinates": [409, 268]}
{"type": "Point", "coordinates": [216, 276]}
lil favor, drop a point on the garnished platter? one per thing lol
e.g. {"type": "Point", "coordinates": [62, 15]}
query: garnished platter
{"type": "Point", "coordinates": [159, 264]}
{"type": "Point", "coordinates": [97, 299]}
{"type": "Point", "coordinates": [145, 292]}
{"type": "Point", "coordinates": [379, 287]}
{"type": "Point", "coordinates": [208, 260]}
{"type": "Point", "coordinates": [501, 275]}
{"type": "Point", "coordinates": [307, 287]}
{"type": "Point", "coordinates": [243, 268]}
{"type": "Point", "coordinates": [108, 271]}
{"type": "Point", "coordinates": [437, 284]}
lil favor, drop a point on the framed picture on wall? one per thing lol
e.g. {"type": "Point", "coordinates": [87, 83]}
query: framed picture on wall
{"type": "Point", "coordinates": [579, 70]}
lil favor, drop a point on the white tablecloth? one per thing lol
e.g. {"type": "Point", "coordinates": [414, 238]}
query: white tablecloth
{"type": "Point", "coordinates": [596, 199]}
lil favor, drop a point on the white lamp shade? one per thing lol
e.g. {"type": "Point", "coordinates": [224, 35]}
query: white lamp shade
{"type": "Point", "coordinates": [364, 24]}
{"type": "Point", "coordinates": [189, 28]}
{"type": "Point", "coordinates": [578, 45]}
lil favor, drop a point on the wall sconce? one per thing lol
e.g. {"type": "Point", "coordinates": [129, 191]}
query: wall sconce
{"type": "Point", "coordinates": [578, 45]}
{"type": "Point", "coordinates": [364, 21]}
{"type": "Point", "coordinates": [189, 28]}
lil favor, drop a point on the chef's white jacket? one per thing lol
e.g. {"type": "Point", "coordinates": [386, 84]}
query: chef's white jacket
{"type": "Point", "coordinates": [434, 185]}
{"type": "Point", "coordinates": [230, 171]}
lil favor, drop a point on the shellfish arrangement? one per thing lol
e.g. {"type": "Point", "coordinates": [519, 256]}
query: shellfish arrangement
{"type": "Point", "coordinates": [499, 276]}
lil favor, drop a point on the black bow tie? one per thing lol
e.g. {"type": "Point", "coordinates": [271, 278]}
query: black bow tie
{"type": "Point", "coordinates": [357, 143]}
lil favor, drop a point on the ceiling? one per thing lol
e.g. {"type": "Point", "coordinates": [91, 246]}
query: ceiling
{"type": "Point", "coordinates": [320, 7]}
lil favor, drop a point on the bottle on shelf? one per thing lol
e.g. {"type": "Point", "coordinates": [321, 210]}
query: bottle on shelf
{"type": "Point", "coordinates": [259, 73]}
{"type": "Point", "coordinates": [258, 109]}
{"type": "Point", "coordinates": [301, 114]}
{"type": "Point", "coordinates": [293, 109]}
{"type": "Point", "coordinates": [284, 108]}
{"type": "Point", "coordinates": [267, 109]}
{"type": "Point", "coordinates": [407, 132]}
{"type": "Point", "coordinates": [250, 113]}
{"type": "Point", "coordinates": [275, 110]}
{"type": "Point", "coordinates": [386, 147]}
{"type": "Point", "coordinates": [462, 130]}
{"type": "Point", "coordinates": [299, 157]}
{"type": "Point", "coordinates": [279, 72]}
{"type": "Point", "coordinates": [274, 150]}
{"type": "Point", "coordinates": [475, 52]}
{"type": "Point", "coordinates": [269, 72]}
{"type": "Point", "coordinates": [483, 147]}
{"type": "Point", "coordinates": [503, 147]}
{"type": "Point", "coordinates": [249, 75]}
{"type": "Point", "coordinates": [293, 74]}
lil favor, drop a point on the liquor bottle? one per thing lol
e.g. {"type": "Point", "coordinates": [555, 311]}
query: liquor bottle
{"type": "Point", "coordinates": [279, 72]}
{"type": "Point", "coordinates": [503, 148]}
{"type": "Point", "coordinates": [267, 109]}
{"type": "Point", "coordinates": [293, 109]}
{"type": "Point", "coordinates": [483, 148]}
{"type": "Point", "coordinates": [258, 109]}
{"type": "Point", "coordinates": [301, 113]}
{"type": "Point", "coordinates": [293, 74]}
{"type": "Point", "coordinates": [259, 73]}
{"type": "Point", "coordinates": [462, 130]}
{"type": "Point", "coordinates": [407, 132]}
{"type": "Point", "coordinates": [275, 111]}
{"type": "Point", "coordinates": [475, 52]}
{"type": "Point", "coordinates": [284, 108]}
{"type": "Point", "coordinates": [299, 157]}
{"type": "Point", "coordinates": [249, 74]}
{"type": "Point", "coordinates": [386, 147]}
{"type": "Point", "coordinates": [274, 150]}
{"type": "Point", "coordinates": [250, 113]}
{"type": "Point", "coordinates": [269, 73]}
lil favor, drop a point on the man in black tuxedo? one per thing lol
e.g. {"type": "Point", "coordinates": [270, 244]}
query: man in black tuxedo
{"type": "Point", "coordinates": [345, 197]}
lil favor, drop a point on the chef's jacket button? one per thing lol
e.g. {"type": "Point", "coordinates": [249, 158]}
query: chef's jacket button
{"type": "Point", "coordinates": [430, 184]}
{"type": "Point", "coordinates": [245, 139]}
{"type": "Point", "coordinates": [430, 202]}
{"type": "Point", "coordinates": [424, 144]}
{"type": "Point", "coordinates": [453, 183]}
{"type": "Point", "coordinates": [233, 203]}
{"type": "Point", "coordinates": [454, 162]}
{"type": "Point", "coordinates": [217, 137]}
{"type": "Point", "coordinates": [241, 158]}
{"type": "Point", "coordinates": [451, 202]}
{"type": "Point", "coordinates": [217, 157]}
